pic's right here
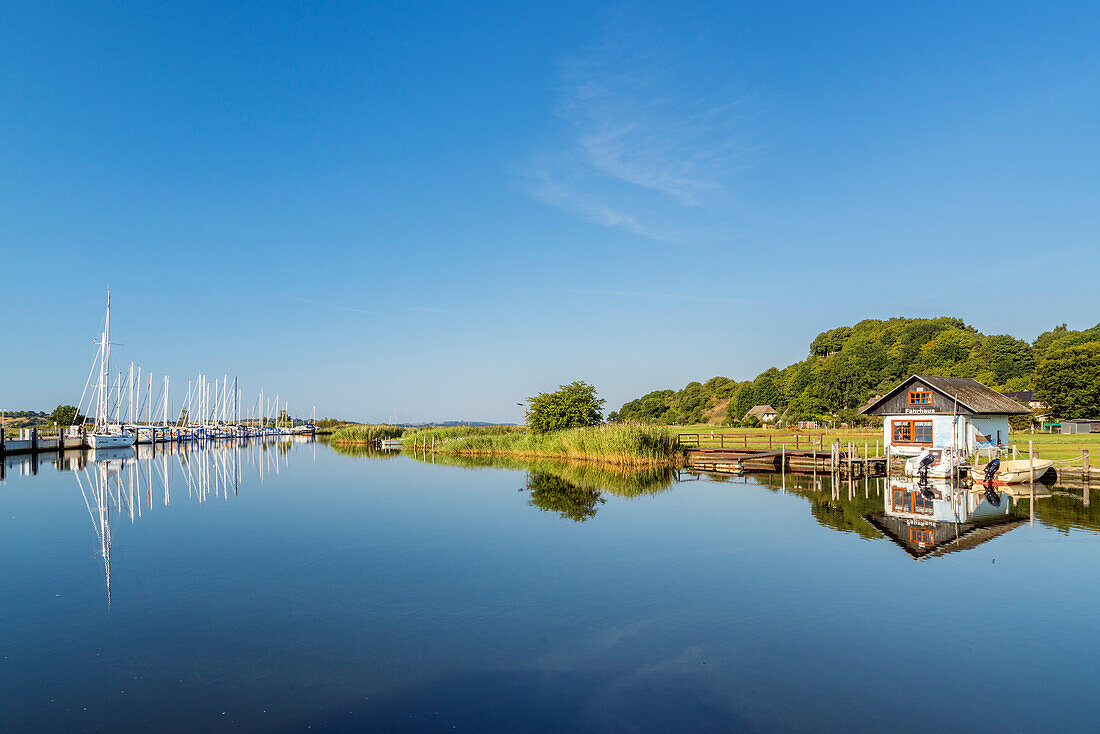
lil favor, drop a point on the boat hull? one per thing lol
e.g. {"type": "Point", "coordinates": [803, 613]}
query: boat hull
{"type": "Point", "coordinates": [111, 440]}
{"type": "Point", "coordinates": [1014, 472]}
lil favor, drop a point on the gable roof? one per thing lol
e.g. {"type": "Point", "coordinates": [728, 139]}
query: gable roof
{"type": "Point", "coordinates": [1024, 396]}
{"type": "Point", "coordinates": [971, 394]}
{"type": "Point", "coordinates": [759, 411]}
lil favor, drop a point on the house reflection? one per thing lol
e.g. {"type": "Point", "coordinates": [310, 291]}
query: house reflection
{"type": "Point", "coordinates": [935, 517]}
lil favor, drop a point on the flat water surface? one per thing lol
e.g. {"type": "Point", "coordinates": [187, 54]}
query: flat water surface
{"type": "Point", "coordinates": [287, 586]}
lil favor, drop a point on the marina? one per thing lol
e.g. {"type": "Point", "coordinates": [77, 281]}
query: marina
{"type": "Point", "coordinates": [210, 412]}
{"type": "Point", "coordinates": [282, 583]}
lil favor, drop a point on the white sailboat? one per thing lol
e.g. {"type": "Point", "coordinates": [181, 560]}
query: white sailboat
{"type": "Point", "coordinates": [106, 434]}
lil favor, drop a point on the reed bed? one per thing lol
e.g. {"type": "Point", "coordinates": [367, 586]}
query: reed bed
{"type": "Point", "coordinates": [625, 444]}
{"type": "Point", "coordinates": [366, 433]}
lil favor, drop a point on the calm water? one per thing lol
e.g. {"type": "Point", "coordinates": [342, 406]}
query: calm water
{"type": "Point", "coordinates": [289, 586]}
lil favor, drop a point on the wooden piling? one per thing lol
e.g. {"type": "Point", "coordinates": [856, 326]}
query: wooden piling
{"type": "Point", "coordinates": [1031, 466]}
{"type": "Point", "coordinates": [1085, 464]}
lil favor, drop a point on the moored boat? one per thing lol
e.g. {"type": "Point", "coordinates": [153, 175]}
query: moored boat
{"type": "Point", "coordinates": [1014, 472]}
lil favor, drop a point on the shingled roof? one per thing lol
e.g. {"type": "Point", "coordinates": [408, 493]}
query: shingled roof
{"type": "Point", "coordinates": [971, 394]}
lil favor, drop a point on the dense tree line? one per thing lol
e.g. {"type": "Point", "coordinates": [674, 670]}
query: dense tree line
{"type": "Point", "coordinates": [850, 364]}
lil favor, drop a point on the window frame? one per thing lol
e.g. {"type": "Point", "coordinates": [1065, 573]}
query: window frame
{"type": "Point", "coordinates": [918, 534]}
{"type": "Point", "coordinates": [911, 422]}
{"type": "Point", "coordinates": [910, 504]}
{"type": "Point", "coordinates": [916, 404]}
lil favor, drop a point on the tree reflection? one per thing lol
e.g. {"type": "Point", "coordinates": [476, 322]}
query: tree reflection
{"type": "Point", "coordinates": [551, 492]}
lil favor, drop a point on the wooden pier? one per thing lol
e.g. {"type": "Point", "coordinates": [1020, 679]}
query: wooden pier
{"type": "Point", "coordinates": [729, 453]}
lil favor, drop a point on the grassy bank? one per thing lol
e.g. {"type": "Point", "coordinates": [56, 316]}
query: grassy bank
{"type": "Point", "coordinates": [623, 444]}
{"type": "Point", "coordinates": [365, 433]}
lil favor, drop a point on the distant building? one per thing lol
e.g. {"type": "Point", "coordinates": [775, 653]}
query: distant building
{"type": "Point", "coordinates": [921, 413]}
{"type": "Point", "coordinates": [1080, 426]}
{"type": "Point", "coordinates": [762, 413]}
{"type": "Point", "coordinates": [1027, 397]}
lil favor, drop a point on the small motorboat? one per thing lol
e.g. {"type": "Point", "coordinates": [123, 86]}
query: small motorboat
{"type": "Point", "coordinates": [1013, 472]}
{"type": "Point", "coordinates": [934, 463]}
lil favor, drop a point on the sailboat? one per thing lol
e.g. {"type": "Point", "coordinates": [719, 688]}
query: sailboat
{"type": "Point", "coordinates": [105, 434]}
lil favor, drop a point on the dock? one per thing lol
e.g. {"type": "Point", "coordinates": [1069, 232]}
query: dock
{"type": "Point", "coordinates": [776, 453]}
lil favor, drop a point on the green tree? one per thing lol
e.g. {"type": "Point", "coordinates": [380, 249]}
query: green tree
{"type": "Point", "coordinates": [743, 399]}
{"type": "Point", "coordinates": [570, 406]}
{"type": "Point", "coordinates": [1068, 380]}
{"type": "Point", "coordinates": [66, 415]}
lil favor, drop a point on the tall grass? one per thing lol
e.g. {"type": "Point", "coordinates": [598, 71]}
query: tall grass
{"type": "Point", "coordinates": [444, 433]}
{"type": "Point", "coordinates": [618, 443]}
{"type": "Point", "coordinates": [366, 433]}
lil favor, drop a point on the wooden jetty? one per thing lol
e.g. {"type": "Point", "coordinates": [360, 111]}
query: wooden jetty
{"type": "Point", "coordinates": [721, 453]}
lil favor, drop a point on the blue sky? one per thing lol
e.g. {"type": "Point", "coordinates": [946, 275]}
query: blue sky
{"type": "Point", "coordinates": [441, 209]}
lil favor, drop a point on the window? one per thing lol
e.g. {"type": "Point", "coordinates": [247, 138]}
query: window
{"type": "Point", "coordinates": [903, 431]}
{"type": "Point", "coordinates": [912, 432]}
{"type": "Point", "coordinates": [922, 536]}
{"type": "Point", "coordinates": [920, 399]}
{"type": "Point", "coordinates": [911, 501]}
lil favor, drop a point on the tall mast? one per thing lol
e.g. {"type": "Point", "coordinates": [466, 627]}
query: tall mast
{"type": "Point", "coordinates": [166, 400]}
{"type": "Point", "coordinates": [104, 367]}
{"type": "Point", "coordinates": [130, 402]}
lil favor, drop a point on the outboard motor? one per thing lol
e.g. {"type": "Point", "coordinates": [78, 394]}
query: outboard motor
{"type": "Point", "coordinates": [991, 470]}
{"type": "Point", "coordinates": [925, 463]}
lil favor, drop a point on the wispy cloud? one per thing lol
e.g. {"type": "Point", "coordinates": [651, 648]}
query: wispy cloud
{"type": "Point", "coordinates": [644, 145]}
{"type": "Point", "coordinates": [333, 305]}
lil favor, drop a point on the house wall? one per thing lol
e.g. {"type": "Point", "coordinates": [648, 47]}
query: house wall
{"type": "Point", "coordinates": [899, 404]}
{"type": "Point", "coordinates": [988, 426]}
{"type": "Point", "coordinates": [943, 431]}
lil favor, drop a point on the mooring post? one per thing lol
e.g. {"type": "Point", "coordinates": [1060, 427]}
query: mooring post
{"type": "Point", "coordinates": [1085, 464]}
{"type": "Point", "coordinates": [1031, 464]}
{"type": "Point", "coordinates": [3, 440]}
{"type": "Point", "coordinates": [1013, 452]}
{"type": "Point", "coordinates": [34, 442]}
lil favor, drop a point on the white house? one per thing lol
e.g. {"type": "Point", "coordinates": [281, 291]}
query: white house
{"type": "Point", "coordinates": [943, 412]}
{"type": "Point", "coordinates": [763, 413]}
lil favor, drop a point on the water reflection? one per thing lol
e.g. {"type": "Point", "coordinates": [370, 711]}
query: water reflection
{"type": "Point", "coordinates": [127, 482]}
{"type": "Point", "coordinates": [572, 489]}
{"type": "Point", "coordinates": [935, 517]}
{"type": "Point", "coordinates": [549, 492]}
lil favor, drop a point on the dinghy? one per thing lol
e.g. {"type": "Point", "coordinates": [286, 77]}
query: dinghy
{"type": "Point", "coordinates": [1013, 472]}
